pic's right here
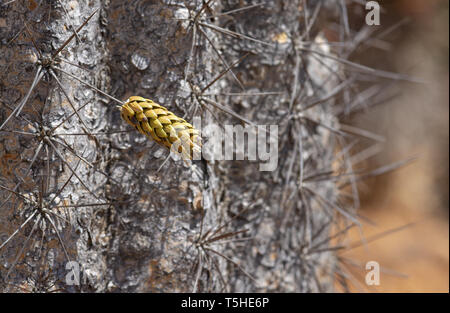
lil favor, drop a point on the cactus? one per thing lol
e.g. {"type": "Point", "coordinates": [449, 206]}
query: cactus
{"type": "Point", "coordinates": [111, 204]}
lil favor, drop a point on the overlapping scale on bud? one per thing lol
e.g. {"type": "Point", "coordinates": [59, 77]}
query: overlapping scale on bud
{"type": "Point", "coordinates": [161, 125]}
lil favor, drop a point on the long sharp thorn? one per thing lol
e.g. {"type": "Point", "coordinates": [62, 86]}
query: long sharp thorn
{"type": "Point", "coordinates": [62, 245]}
{"type": "Point", "coordinates": [18, 109]}
{"type": "Point", "coordinates": [216, 265]}
{"type": "Point", "coordinates": [26, 174]}
{"type": "Point", "coordinates": [230, 260]}
{"type": "Point", "coordinates": [302, 163]}
{"type": "Point", "coordinates": [32, 39]}
{"type": "Point", "coordinates": [229, 111]}
{"type": "Point", "coordinates": [205, 5]}
{"type": "Point", "coordinates": [70, 22]}
{"type": "Point", "coordinates": [295, 82]}
{"type": "Point", "coordinates": [47, 168]}
{"type": "Point", "coordinates": [65, 184]}
{"type": "Point", "coordinates": [329, 96]}
{"type": "Point", "coordinates": [224, 72]}
{"type": "Point", "coordinates": [199, 271]}
{"type": "Point", "coordinates": [379, 236]}
{"type": "Point", "coordinates": [87, 84]}
{"type": "Point", "coordinates": [12, 191]}
{"type": "Point", "coordinates": [191, 54]}
{"type": "Point", "coordinates": [68, 165]}
{"type": "Point", "coordinates": [223, 236]}
{"type": "Point", "coordinates": [89, 204]}
{"type": "Point", "coordinates": [236, 10]}
{"type": "Point", "coordinates": [330, 205]}
{"type": "Point", "coordinates": [364, 68]}
{"type": "Point", "coordinates": [328, 239]}
{"type": "Point", "coordinates": [382, 170]}
{"type": "Point", "coordinates": [84, 160]}
{"type": "Point", "coordinates": [76, 65]}
{"type": "Point", "coordinates": [38, 77]}
{"type": "Point", "coordinates": [221, 58]}
{"type": "Point", "coordinates": [6, 3]}
{"type": "Point", "coordinates": [68, 98]}
{"type": "Point", "coordinates": [248, 94]}
{"type": "Point", "coordinates": [228, 222]}
{"type": "Point", "coordinates": [23, 248]}
{"type": "Point", "coordinates": [18, 229]}
{"type": "Point", "coordinates": [361, 132]}
{"type": "Point", "coordinates": [56, 215]}
{"type": "Point", "coordinates": [73, 35]}
{"type": "Point", "coordinates": [234, 34]}
{"type": "Point", "coordinates": [67, 118]}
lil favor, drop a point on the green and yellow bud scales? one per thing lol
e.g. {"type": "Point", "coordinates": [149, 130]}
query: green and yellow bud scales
{"type": "Point", "coordinates": [161, 125]}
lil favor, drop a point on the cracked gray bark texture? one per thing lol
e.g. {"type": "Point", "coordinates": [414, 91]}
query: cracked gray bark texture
{"type": "Point", "coordinates": [145, 241]}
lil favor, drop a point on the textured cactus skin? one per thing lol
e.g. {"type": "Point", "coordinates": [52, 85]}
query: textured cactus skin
{"type": "Point", "coordinates": [145, 240]}
{"type": "Point", "coordinates": [161, 125]}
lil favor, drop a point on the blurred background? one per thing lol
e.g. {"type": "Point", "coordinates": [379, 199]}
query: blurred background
{"type": "Point", "coordinates": [415, 123]}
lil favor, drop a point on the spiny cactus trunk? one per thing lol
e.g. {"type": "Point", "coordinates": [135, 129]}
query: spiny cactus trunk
{"type": "Point", "coordinates": [140, 224]}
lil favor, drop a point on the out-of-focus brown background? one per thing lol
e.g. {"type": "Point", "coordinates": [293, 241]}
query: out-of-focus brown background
{"type": "Point", "coordinates": [415, 123]}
